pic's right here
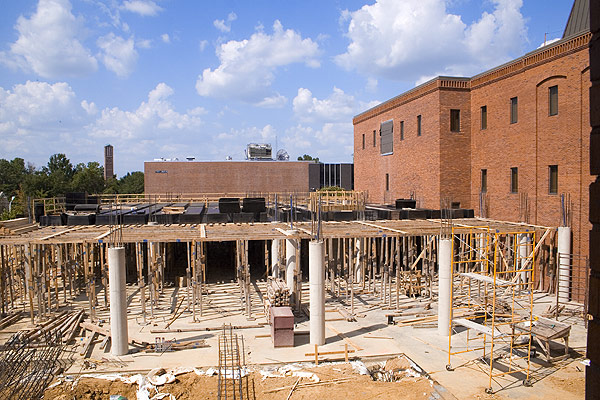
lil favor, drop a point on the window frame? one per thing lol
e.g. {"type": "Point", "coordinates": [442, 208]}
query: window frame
{"type": "Point", "coordinates": [483, 181]}
{"type": "Point", "coordinates": [363, 141]}
{"type": "Point", "coordinates": [552, 112]}
{"type": "Point", "coordinates": [374, 137]}
{"type": "Point", "coordinates": [553, 183]}
{"type": "Point", "coordinates": [419, 124]}
{"type": "Point", "coordinates": [514, 180]}
{"type": "Point", "coordinates": [401, 130]}
{"type": "Point", "coordinates": [454, 120]}
{"type": "Point", "coordinates": [483, 117]}
{"type": "Point", "coordinates": [387, 182]}
{"type": "Point", "coordinates": [514, 110]}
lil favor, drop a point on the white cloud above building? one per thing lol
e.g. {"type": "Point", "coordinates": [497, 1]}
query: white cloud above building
{"type": "Point", "coordinates": [406, 40]}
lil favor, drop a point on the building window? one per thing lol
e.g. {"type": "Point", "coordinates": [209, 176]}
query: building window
{"type": "Point", "coordinates": [514, 180]}
{"type": "Point", "coordinates": [483, 117]}
{"type": "Point", "coordinates": [455, 120]}
{"type": "Point", "coordinates": [363, 143]}
{"type": "Point", "coordinates": [418, 125]}
{"type": "Point", "coordinates": [374, 138]}
{"type": "Point", "coordinates": [386, 131]}
{"type": "Point", "coordinates": [553, 100]}
{"type": "Point", "coordinates": [387, 182]}
{"type": "Point", "coordinates": [553, 179]}
{"type": "Point", "coordinates": [484, 180]}
{"type": "Point", "coordinates": [401, 130]}
{"type": "Point", "coordinates": [514, 110]}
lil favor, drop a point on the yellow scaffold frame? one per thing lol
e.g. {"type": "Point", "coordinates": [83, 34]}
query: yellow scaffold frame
{"type": "Point", "coordinates": [492, 294]}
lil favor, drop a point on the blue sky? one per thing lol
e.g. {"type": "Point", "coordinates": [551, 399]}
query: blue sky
{"type": "Point", "coordinates": [174, 78]}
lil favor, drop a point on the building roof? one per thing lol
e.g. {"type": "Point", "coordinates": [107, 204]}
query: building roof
{"type": "Point", "coordinates": [579, 19]}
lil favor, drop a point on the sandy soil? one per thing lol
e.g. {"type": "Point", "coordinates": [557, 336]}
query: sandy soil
{"type": "Point", "coordinates": [192, 386]}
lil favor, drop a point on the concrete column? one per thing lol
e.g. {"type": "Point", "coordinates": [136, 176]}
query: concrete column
{"type": "Point", "coordinates": [292, 253]}
{"type": "Point", "coordinates": [523, 254]}
{"type": "Point", "coordinates": [359, 255]}
{"type": "Point", "coordinates": [275, 258]}
{"type": "Point", "coordinates": [316, 276]}
{"type": "Point", "coordinates": [445, 286]}
{"type": "Point", "coordinates": [118, 301]}
{"type": "Point", "coordinates": [564, 263]}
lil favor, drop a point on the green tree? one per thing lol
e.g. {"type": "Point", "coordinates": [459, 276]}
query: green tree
{"type": "Point", "coordinates": [88, 178]}
{"type": "Point", "coordinates": [132, 183]}
{"type": "Point", "coordinates": [60, 172]}
{"type": "Point", "coordinates": [12, 174]}
{"type": "Point", "coordinates": [307, 157]}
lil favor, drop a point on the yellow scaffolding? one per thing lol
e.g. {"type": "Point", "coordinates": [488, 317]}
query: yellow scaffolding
{"type": "Point", "coordinates": [492, 300]}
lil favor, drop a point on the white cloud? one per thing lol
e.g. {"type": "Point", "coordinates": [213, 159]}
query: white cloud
{"type": "Point", "coordinates": [49, 43]}
{"type": "Point", "coordinates": [89, 108]}
{"type": "Point", "coordinates": [275, 101]}
{"type": "Point", "coordinates": [202, 45]}
{"type": "Point", "coordinates": [248, 67]}
{"type": "Point", "coordinates": [405, 40]}
{"type": "Point", "coordinates": [145, 8]}
{"type": "Point", "coordinates": [165, 38]}
{"type": "Point", "coordinates": [333, 142]}
{"type": "Point", "coordinates": [143, 43]}
{"type": "Point", "coordinates": [152, 118]}
{"type": "Point", "coordinates": [338, 107]}
{"type": "Point", "coordinates": [548, 42]}
{"type": "Point", "coordinates": [117, 54]}
{"type": "Point", "coordinates": [225, 25]}
{"type": "Point", "coordinates": [34, 114]}
{"type": "Point", "coordinates": [371, 84]}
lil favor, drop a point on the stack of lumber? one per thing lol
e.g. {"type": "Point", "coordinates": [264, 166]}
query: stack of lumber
{"type": "Point", "coordinates": [173, 209]}
{"type": "Point", "coordinates": [278, 295]}
{"type": "Point", "coordinates": [17, 226]}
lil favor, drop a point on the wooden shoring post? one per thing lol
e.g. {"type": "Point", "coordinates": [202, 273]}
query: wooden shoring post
{"type": "Point", "coordinates": [150, 258]}
{"type": "Point", "coordinates": [398, 264]}
{"type": "Point", "coordinates": [194, 276]}
{"type": "Point", "coordinates": [88, 288]}
{"type": "Point", "coordinates": [370, 263]}
{"type": "Point", "coordinates": [139, 263]}
{"type": "Point", "coordinates": [247, 280]}
{"type": "Point", "coordinates": [61, 266]}
{"type": "Point", "coordinates": [352, 272]}
{"type": "Point", "coordinates": [363, 261]}
{"type": "Point", "coordinates": [3, 268]}
{"type": "Point", "coordinates": [343, 269]}
{"type": "Point", "coordinates": [11, 271]}
{"type": "Point", "coordinates": [202, 275]}
{"type": "Point", "coordinates": [380, 268]}
{"type": "Point", "coordinates": [268, 266]}
{"type": "Point", "coordinates": [29, 278]}
{"type": "Point", "coordinates": [188, 273]}
{"type": "Point", "coordinates": [39, 277]}
{"type": "Point", "coordinates": [104, 270]}
{"type": "Point", "coordinates": [330, 264]}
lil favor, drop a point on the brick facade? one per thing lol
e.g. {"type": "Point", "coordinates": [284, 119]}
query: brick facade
{"type": "Point", "coordinates": [216, 177]}
{"type": "Point", "coordinates": [447, 164]}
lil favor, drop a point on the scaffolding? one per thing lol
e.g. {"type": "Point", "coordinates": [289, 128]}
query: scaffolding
{"type": "Point", "coordinates": [492, 301]}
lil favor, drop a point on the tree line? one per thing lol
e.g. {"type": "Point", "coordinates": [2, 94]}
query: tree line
{"type": "Point", "coordinates": [20, 181]}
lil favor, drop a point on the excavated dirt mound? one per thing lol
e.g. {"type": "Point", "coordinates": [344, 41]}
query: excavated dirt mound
{"type": "Point", "coordinates": [351, 385]}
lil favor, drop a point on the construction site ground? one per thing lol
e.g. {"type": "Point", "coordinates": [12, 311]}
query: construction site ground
{"type": "Point", "coordinates": [369, 339]}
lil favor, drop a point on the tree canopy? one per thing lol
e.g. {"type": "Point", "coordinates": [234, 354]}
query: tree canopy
{"type": "Point", "coordinates": [307, 157]}
{"type": "Point", "coordinates": [57, 178]}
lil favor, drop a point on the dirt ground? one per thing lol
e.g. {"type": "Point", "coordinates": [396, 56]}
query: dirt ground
{"type": "Point", "coordinates": [192, 386]}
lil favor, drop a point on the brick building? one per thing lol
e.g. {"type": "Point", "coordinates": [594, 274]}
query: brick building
{"type": "Point", "coordinates": [221, 177]}
{"type": "Point", "coordinates": [507, 142]}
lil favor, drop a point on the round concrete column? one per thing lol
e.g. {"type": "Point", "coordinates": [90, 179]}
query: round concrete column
{"type": "Point", "coordinates": [564, 263]}
{"type": "Point", "coordinates": [445, 286]}
{"type": "Point", "coordinates": [292, 256]}
{"type": "Point", "coordinates": [316, 276]}
{"type": "Point", "coordinates": [275, 258]}
{"type": "Point", "coordinates": [118, 301]}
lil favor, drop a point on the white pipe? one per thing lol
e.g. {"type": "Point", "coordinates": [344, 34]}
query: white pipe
{"type": "Point", "coordinates": [275, 258]}
{"type": "Point", "coordinates": [118, 301]}
{"type": "Point", "coordinates": [316, 276]}
{"type": "Point", "coordinates": [445, 286]}
{"type": "Point", "coordinates": [564, 262]}
{"type": "Point", "coordinates": [292, 253]}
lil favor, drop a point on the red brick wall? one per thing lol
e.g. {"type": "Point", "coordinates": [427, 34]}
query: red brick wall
{"type": "Point", "coordinates": [410, 165]}
{"type": "Point", "coordinates": [196, 177]}
{"type": "Point", "coordinates": [455, 148]}
{"type": "Point", "coordinates": [535, 142]}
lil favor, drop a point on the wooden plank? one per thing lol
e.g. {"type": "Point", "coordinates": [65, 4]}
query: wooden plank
{"type": "Point", "coordinates": [382, 227]}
